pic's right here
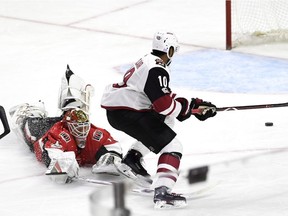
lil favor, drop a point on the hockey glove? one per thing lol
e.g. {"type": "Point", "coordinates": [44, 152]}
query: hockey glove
{"type": "Point", "coordinates": [185, 112]}
{"type": "Point", "coordinates": [207, 109]}
{"type": "Point", "coordinates": [63, 168]}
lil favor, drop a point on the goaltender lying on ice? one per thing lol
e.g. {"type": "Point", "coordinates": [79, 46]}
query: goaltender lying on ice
{"type": "Point", "coordinates": [66, 142]}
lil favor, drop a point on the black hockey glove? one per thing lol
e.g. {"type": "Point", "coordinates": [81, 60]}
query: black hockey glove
{"type": "Point", "coordinates": [206, 109]}
{"type": "Point", "coordinates": [186, 109]}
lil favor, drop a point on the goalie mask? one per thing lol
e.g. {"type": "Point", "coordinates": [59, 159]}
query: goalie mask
{"type": "Point", "coordinates": [78, 124]}
{"type": "Point", "coordinates": [163, 41]}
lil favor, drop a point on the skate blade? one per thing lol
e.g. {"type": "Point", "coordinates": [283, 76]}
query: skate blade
{"type": "Point", "coordinates": [165, 205]}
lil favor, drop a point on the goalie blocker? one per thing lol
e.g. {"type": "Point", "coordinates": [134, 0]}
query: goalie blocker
{"type": "Point", "coordinates": [4, 122]}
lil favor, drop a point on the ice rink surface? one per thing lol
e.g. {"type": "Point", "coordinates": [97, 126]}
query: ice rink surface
{"type": "Point", "coordinates": [98, 39]}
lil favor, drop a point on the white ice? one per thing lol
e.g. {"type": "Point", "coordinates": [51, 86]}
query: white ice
{"type": "Point", "coordinates": [38, 39]}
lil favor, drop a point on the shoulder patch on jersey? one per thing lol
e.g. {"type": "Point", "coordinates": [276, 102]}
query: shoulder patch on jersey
{"type": "Point", "coordinates": [160, 62]}
{"type": "Point", "coordinates": [65, 136]}
{"type": "Point", "coordinates": [97, 135]}
{"type": "Point", "coordinates": [139, 63]}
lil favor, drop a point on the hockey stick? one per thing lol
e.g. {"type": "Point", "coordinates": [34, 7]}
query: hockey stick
{"type": "Point", "coordinates": [193, 194]}
{"type": "Point", "coordinates": [190, 193]}
{"type": "Point", "coordinates": [4, 121]}
{"type": "Point", "coordinates": [94, 181]}
{"type": "Point", "coordinates": [246, 107]}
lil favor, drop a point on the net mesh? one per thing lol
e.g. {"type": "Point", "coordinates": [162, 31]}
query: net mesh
{"type": "Point", "coordinates": [259, 21]}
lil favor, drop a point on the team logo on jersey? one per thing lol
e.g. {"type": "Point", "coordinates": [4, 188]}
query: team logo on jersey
{"type": "Point", "coordinates": [165, 90]}
{"type": "Point", "coordinates": [97, 135]}
{"type": "Point", "coordinates": [160, 62]}
{"type": "Point", "coordinates": [65, 136]}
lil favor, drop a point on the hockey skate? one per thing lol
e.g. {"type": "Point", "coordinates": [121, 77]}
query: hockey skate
{"type": "Point", "coordinates": [107, 164]}
{"type": "Point", "coordinates": [132, 168]}
{"type": "Point", "coordinates": [163, 199]}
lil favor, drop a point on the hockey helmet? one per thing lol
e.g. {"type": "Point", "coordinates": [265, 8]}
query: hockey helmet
{"type": "Point", "coordinates": [78, 123]}
{"type": "Point", "coordinates": [163, 40]}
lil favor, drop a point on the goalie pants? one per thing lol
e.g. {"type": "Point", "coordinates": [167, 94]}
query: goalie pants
{"type": "Point", "coordinates": [147, 127]}
{"type": "Point", "coordinates": [34, 128]}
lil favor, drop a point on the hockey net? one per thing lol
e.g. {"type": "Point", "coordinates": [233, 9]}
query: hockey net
{"type": "Point", "coordinates": [250, 22]}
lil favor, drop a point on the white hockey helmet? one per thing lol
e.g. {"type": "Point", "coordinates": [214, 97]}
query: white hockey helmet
{"type": "Point", "coordinates": [163, 40]}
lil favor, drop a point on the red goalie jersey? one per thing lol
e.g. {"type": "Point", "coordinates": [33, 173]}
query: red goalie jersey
{"type": "Point", "coordinates": [59, 137]}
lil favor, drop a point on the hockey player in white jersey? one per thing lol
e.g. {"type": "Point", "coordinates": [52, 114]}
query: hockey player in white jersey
{"type": "Point", "coordinates": [144, 107]}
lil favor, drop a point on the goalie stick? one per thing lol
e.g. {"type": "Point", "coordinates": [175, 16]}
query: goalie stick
{"type": "Point", "coordinates": [4, 121]}
{"type": "Point", "coordinates": [193, 194]}
{"type": "Point", "coordinates": [246, 107]}
{"type": "Point", "coordinates": [189, 193]}
{"type": "Point", "coordinates": [93, 181]}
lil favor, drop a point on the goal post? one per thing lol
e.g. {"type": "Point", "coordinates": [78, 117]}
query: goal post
{"type": "Point", "coordinates": [251, 22]}
{"type": "Point", "coordinates": [228, 25]}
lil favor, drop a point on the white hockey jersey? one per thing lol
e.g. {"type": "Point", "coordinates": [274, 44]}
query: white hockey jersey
{"type": "Point", "coordinates": [144, 87]}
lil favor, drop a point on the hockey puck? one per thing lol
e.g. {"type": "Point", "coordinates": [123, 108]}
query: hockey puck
{"type": "Point", "coordinates": [268, 124]}
{"type": "Point", "coordinates": [197, 174]}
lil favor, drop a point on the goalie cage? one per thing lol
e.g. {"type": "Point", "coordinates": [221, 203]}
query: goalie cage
{"type": "Point", "coordinates": [4, 122]}
{"type": "Point", "coordinates": [251, 22]}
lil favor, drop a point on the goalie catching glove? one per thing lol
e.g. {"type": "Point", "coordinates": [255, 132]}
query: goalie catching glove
{"type": "Point", "coordinates": [207, 109]}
